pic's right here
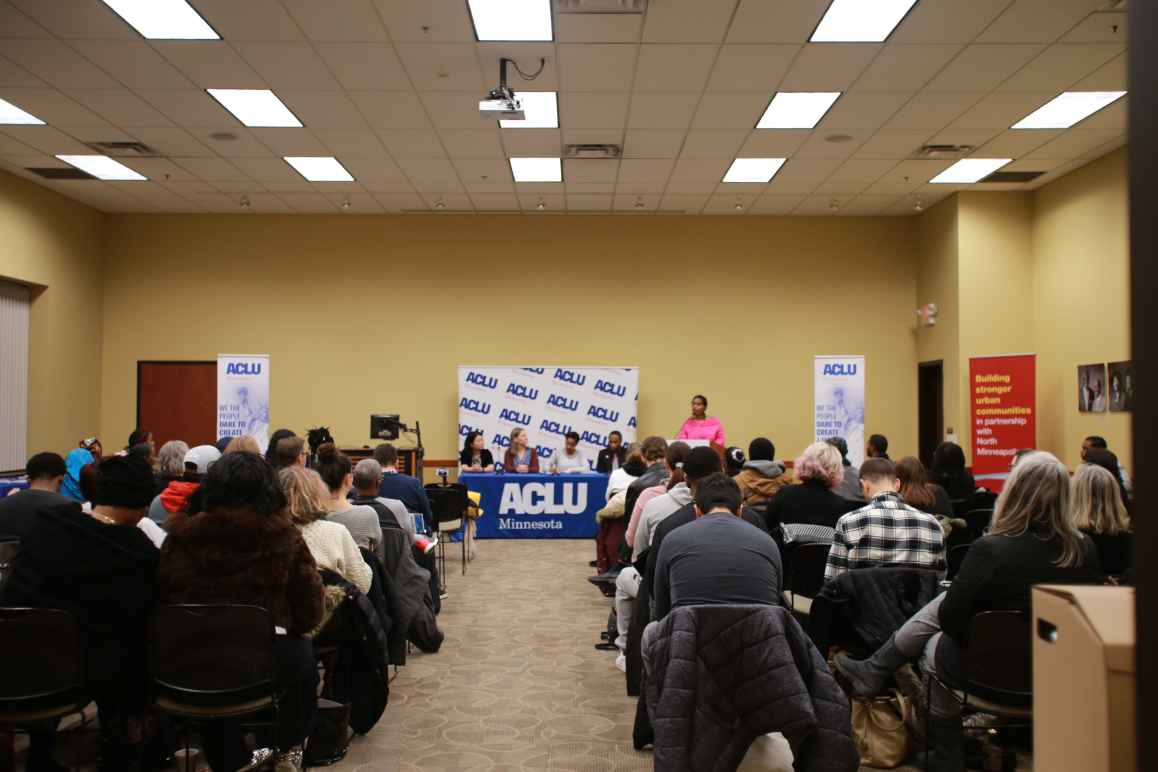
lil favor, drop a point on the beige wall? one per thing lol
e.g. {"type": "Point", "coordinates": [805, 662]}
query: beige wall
{"type": "Point", "coordinates": [54, 244]}
{"type": "Point", "coordinates": [937, 282]}
{"type": "Point", "coordinates": [363, 314]}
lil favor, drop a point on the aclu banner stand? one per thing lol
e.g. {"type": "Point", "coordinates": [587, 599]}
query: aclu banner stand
{"type": "Point", "coordinates": [1003, 413]}
{"type": "Point", "coordinates": [538, 506]}
{"type": "Point", "coordinates": [838, 398]}
{"type": "Point", "coordinates": [243, 396]}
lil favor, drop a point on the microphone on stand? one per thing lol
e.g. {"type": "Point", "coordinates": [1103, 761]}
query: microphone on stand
{"type": "Point", "coordinates": [498, 468]}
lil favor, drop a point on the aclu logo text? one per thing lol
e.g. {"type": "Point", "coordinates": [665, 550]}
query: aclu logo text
{"type": "Point", "coordinates": [570, 376]}
{"type": "Point", "coordinates": [520, 390]}
{"type": "Point", "coordinates": [603, 414]}
{"type": "Point", "coordinates": [465, 429]}
{"type": "Point", "coordinates": [475, 406]}
{"type": "Point", "coordinates": [243, 368]}
{"type": "Point", "coordinates": [841, 369]}
{"type": "Point", "coordinates": [554, 427]}
{"type": "Point", "coordinates": [562, 403]}
{"type": "Point", "coordinates": [482, 380]}
{"type": "Point", "coordinates": [613, 389]}
{"type": "Point", "coordinates": [515, 417]}
{"type": "Point", "coordinates": [543, 499]}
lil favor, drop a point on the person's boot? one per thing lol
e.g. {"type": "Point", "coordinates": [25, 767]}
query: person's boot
{"type": "Point", "coordinates": [946, 745]}
{"type": "Point", "coordinates": [869, 676]}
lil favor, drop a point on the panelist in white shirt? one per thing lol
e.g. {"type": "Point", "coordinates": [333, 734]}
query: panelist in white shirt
{"type": "Point", "coordinates": [570, 458]}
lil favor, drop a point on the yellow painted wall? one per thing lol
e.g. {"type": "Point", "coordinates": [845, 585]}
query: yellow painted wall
{"type": "Point", "coordinates": [362, 314]}
{"type": "Point", "coordinates": [55, 244]}
{"type": "Point", "coordinates": [937, 282]}
{"type": "Point", "coordinates": [1081, 258]}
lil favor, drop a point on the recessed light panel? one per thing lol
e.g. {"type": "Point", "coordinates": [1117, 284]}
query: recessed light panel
{"type": "Point", "coordinates": [255, 107]}
{"type": "Point", "coordinates": [541, 109]}
{"type": "Point", "coordinates": [537, 169]}
{"type": "Point", "coordinates": [319, 168]}
{"type": "Point", "coordinates": [13, 115]}
{"type": "Point", "coordinates": [860, 21]}
{"type": "Point", "coordinates": [753, 169]}
{"type": "Point", "coordinates": [163, 19]}
{"type": "Point", "coordinates": [505, 20]}
{"type": "Point", "coordinates": [797, 109]}
{"type": "Point", "coordinates": [1066, 109]}
{"type": "Point", "coordinates": [969, 170]}
{"type": "Point", "coordinates": [102, 167]}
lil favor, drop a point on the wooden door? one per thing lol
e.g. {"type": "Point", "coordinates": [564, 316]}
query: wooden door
{"type": "Point", "coordinates": [178, 401]}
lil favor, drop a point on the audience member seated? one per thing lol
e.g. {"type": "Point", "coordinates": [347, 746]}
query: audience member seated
{"type": "Point", "coordinates": [631, 468]}
{"type": "Point", "coordinates": [849, 488]}
{"type": "Point", "coordinates": [813, 501]}
{"type": "Point", "coordinates": [142, 443]}
{"type": "Point", "coordinates": [877, 446]}
{"type": "Point", "coordinates": [290, 451]}
{"type": "Point", "coordinates": [950, 473]}
{"type": "Point", "coordinates": [402, 487]}
{"type": "Point", "coordinates": [331, 545]}
{"type": "Point", "coordinates": [569, 459]}
{"type": "Point", "coordinates": [271, 447]}
{"type": "Point", "coordinates": [654, 450]}
{"type": "Point", "coordinates": [1108, 461]}
{"type": "Point", "coordinates": [242, 444]}
{"type": "Point", "coordinates": [1099, 443]}
{"type": "Point", "coordinates": [77, 459]}
{"type": "Point", "coordinates": [659, 501]}
{"type": "Point", "coordinates": [520, 458]}
{"type": "Point", "coordinates": [719, 559]}
{"type": "Point", "coordinates": [103, 569]}
{"type": "Point", "coordinates": [175, 498]}
{"type": "Point", "coordinates": [611, 519]}
{"type": "Point", "coordinates": [1099, 513]}
{"type": "Point", "coordinates": [92, 445]}
{"type": "Point", "coordinates": [734, 460]}
{"type": "Point", "coordinates": [918, 492]}
{"type": "Point", "coordinates": [18, 511]}
{"type": "Point", "coordinates": [886, 532]}
{"type": "Point", "coordinates": [613, 456]}
{"type": "Point", "coordinates": [392, 513]}
{"type": "Point", "coordinates": [243, 548]}
{"type": "Point", "coordinates": [1033, 540]}
{"type": "Point", "coordinates": [362, 521]}
{"type": "Point", "coordinates": [701, 426]}
{"type": "Point", "coordinates": [761, 476]}
{"type": "Point", "coordinates": [170, 463]}
{"type": "Point", "coordinates": [474, 456]}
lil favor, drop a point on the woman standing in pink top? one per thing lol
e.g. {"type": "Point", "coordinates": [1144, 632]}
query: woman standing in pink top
{"type": "Point", "coordinates": [701, 426]}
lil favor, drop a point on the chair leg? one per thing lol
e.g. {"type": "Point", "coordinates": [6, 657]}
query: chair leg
{"type": "Point", "coordinates": [465, 539]}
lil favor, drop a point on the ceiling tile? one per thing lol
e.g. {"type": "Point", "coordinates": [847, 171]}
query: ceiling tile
{"type": "Point", "coordinates": [290, 141]}
{"type": "Point", "coordinates": [866, 204]}
{"type": "Point", "coordinates": [863, 110]}
{"type": "Point", "coordinates": [172, 142]}
{"type": "Point", "coordinates": [595, 67]}
{"type": "Point", "coordinates": [1037, 21]}
{"type": "Point", "coordinates": [365, 66]}
{"type": "Point", "coordinates": [590, 170]}
{"type": "Point", "coordinates": [817, 146]}
{"type": "Point", "coordinates": [455, 202]}
{"type": "Point", "coordinates": [680, 188]}
{"type": "Point", "coordinates": [323, 109]}
{"type": "Point", "coordinates": [337, 20]}
{"type": "Point", "coordinates": [347, 142]}
{"type": "Point", "coordinates": [982, 68]}
{"type": "Point", "coordinates": [640, 170]}
{"type": "Point", "coordinates": [245, 144]}
{"type": "Point", "coordinates": [1105, 27]}
{"type": "Point", "coordinates": [1074, 143]}
{"type": "Point", "coordinates": [1014, 144]}
{"type": "Point", "coordinates": [456, 110]}
{"type": "Point", "coordinates": [585, 188]}
{"type": "Point", "coordinates": [251, 20]}
{"type": "Point", "coordinates": [915, 171]}
{"type": "Point", "coordinates": [652, 144]}
{"type": "Point", "coordinates": [552, 202]}
{"type": "Point", "coordinates": [46, 139]}
{"type": "Point", "coordinates": [1060, 66]}
{"type": "Point", "coordinates": [638, 188]}
{"type": "Point", "coordinates": [56, 63]}
{"type": "Point", "coordinates": [1034, 165]}
{"type": "Point", "coordinates": [771, 203]}
{"type": "Point", "coordinates": [932, 110]}
{"type": "Point", "coordinates": [267, 203]}
{"type": "Point", "coordinates": [588, 203]}
{"type": "Point", "coordinates": [637, 203]}
{"type": "Point", "coordinates": [687, 21]}
{"type": "Point", "coordinates": [187, 107]}
{"type": "Point", "coordinates": [119, 106]}
{"type": "Point", "coordinates": [308, 203]}
{"type": "Point", "coordinates": [687, 170]}
{"type": "Point", "coordinates": [159, 169]}
{"type": "Point", "coordinates": [1116, 116]}
{"type": "Point", "coordinates": [369, 170]}
{"type": "Point", "coordinates": [482, 176]}
{"type": "Point", "coordinates": [751, 67]}
{"type": "Point", "coordinates": [802, 175]}
{"type": "Point", "coordinates": [431, 175]}
{"type": "Point", "coordinates": [266, 170]}
{"type": "Point", "coordinates": [528, 56]}
{"type": "Point", "coordinates": [674, 67]}
{"type": "Point", "coordinates": [651, 110]}
{"type": "Point", "coordinates": [682, 204]}
{"type": "Point", "coordinates": [774, 143]}
{"type": "Point", "coordinates": [14, 24]}
{"type": "Point", "coordinates": [593, 110]}
{"type": "Point", "coordinates": [901, 67]}
{"type": "Point", "coordinates": [1000, 111]}
{"type": "Point", "coordinates": [398, 202]}
{"type": "Point", "coordinates": [593, 137]}
{"type": "Point", "coordinates": [947, 21]}
{"type": "Point", "coordinates": [1111, 76]}
{"type": "Point", "coordinates": [713, 143]}
{"type": "Point", "coordinates": [53, 107]}
{"type": "Point", "coordinates": [72, 19]}
{"type": "Point", "coordinates": [813, 206]}
{"type": "Point", "coordinates": [866, 171]}
{"type": "Point", "coordinates": [729, 203]}
{"type": "Point", "coordinates": [443, 67]}
{"type": "Point", "coordinates": [210, 64]}
{"type": "Point", "coordinates": [472, 144]}
{"type": "Point", "coordinates": [12, 74]}
{"type": "Point", "coordinates": [730, 110]}
{"type": "Point", "coordinates": [598, 27]}
{"type": "Point", "coordinates": [829, 66]}
{"type": "Point", "coordinates": [391, 109]}
{"type": "Point", "coordinates": [134, 63]}
{"type": "Point", "coordinates": [893, 143]}
{"type": "Point", "coordinates": [791, 23]}
{"type": "Point", "coordinates": [288, 65]}
{"type": "Point", "coordinates": [212, 169]}
{"type": "Point", "coordinates": [9, 146]}
{"type": "Point", "coordinates": [413, 144]}
{"type": "Point", "coordinates": [495, 202]}
{"type": "Point", "coordinates": [431, 21]}
{"type": "Point", "coordinates": [532, 143]}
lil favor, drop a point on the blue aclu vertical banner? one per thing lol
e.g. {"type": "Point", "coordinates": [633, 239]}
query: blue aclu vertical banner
{"type": "Point", "coordinates": [548, 402]}
{"type": "Point", "coordinates": [838, 396]}
{"type": "Point", "coordinates": [243, 396]}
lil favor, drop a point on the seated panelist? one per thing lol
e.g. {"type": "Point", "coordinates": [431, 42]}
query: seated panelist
{"type": "Point", "coordinates": [570, 459]}
{"type": "Point", "coordinates": [520, 457]}
{"type": "Point", "coordinates": [474, 456]}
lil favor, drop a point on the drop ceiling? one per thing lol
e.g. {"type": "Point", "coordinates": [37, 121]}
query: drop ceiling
{"type": "Point", "coordinates": [391, 88]}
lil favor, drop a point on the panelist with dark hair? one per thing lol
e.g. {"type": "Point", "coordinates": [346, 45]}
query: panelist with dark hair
{"type": "Point", "coordinates": [474, 456]}
{"type": "Point", "coordinates": [701, 426]}
{"type": "Point", "coordinates": [611, 457]}
{"type": "Point", "coordinates": [570, 459]}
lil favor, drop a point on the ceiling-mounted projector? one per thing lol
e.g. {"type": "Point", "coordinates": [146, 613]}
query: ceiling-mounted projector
{"type": "Point", "coordinates": [503, 103]}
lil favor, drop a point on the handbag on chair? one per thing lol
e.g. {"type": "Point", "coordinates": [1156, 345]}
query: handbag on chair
{"type": "Point", "coordinates": [879, 730]}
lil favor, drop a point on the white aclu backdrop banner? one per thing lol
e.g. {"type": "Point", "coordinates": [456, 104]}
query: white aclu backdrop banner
{"type": "Point", "coordinates": [243, 396]}
{"type": "Point", "coordinates": [838, 396]}
{"type": "Point", "coordinates": [548, 402]}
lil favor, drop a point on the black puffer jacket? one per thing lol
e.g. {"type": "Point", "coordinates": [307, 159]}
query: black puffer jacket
{"type": "Point", "coordinates": [871, 602]}
{"type": "Point", "coordinates": [718, 677]}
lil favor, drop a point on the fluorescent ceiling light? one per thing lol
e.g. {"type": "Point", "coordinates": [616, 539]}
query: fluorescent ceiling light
{"type": "Point", "coordinates": [971, 170]}
{"type": "Point", "coordinates": [255, 107]}
{"type": "Point", "coordinates": [163, 19]}
{"type": "Point", "coordinates": [753, 169]}
{"type": "Point", "coordinates": [1068, 108]}
{"type": "Point", "coordinates": [11, 114]}
{"type": "Point", "coordinates": [541, 109]}
{"type": "Point", "coordinates": [860, 21]}
{"type": "Point", "coordinates": [511, 19]}
{"type": "Point", "coordinates": [102, 167]}
{"type": "Point", "coordinates": [797, 109]}
{"type": "Point", "coordinates": [537, 169]}
{"type": "Point", "coordinates": [319, 168]}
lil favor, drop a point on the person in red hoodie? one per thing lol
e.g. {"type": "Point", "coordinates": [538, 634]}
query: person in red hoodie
{"type": "Point", "coordinates": [176, 495]}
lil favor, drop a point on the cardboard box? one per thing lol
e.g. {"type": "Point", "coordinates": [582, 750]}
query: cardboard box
{"type": "Point", "coordinates": [1083, 679]}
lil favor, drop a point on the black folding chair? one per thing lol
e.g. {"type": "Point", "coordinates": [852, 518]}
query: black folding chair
{"type": "Point", "coordinates": [9, 549]}
{"type": "Point", "coordinates": [978, 521]}
{"type": "Point", "coordinates": [234, 677]}
{"type": "Point", "coordinates": [806, 572]}
{"type": "Point", "coordinates": [956, 557]}
{"type": "Point", "coordinates": [448, 503]}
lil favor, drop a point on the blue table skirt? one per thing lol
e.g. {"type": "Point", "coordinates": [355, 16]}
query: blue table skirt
{"type": "Point", "coordinates": [538, 506]}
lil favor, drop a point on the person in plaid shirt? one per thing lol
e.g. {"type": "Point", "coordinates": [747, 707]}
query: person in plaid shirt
{"type": "Point", "coordinates": [886, 532]}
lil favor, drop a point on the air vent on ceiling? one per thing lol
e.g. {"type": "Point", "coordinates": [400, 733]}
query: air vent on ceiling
{"type": "Point", "coordinates": [600, 6]}
{"type": "Point", "coordinates": [124, 149]}
{"type": "Point", "coordinates": [592, 151]}
{"type": "Point", "coordinates": [61, 173]}
{"type": "Point", "coordinates": [1013, 176]}
{"type": "Point", "coordinates": [942, 152]}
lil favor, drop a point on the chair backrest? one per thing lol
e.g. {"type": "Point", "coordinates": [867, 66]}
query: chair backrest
{"type": "Point", "coordinates": [9, 549]}
{"type": "Point", "coordinates": [806, 571]}
{"type": "Point", "coordinates": [211, 649]}
{"type": "Point", "coordinates": [41, 652]}
{"type": "Point", "coordinates": [956, 557]}
{"type": "Point", "coordinates": [978, 521]}
{"type": "Point", "coordinates": [999, 655]}
{"type": "Point", "coordinates": [447, 503]}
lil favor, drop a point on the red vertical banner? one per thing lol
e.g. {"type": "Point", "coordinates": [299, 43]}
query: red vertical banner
{"type": "Point", "coordinates": [1003, 413]}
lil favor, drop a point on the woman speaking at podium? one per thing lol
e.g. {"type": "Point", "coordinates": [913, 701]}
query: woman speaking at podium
{"type": "Point", "coordinates": [519, 458]}
{"type": "Point", "coordinates": [701, 426]}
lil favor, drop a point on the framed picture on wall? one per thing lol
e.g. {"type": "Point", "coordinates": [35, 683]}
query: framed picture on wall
{"type": "Point", "coordinates": [1121, 387]}
{"type": "Point", "coordinates": [1092, 388]}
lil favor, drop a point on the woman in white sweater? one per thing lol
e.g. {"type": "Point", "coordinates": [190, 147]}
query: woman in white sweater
{"type": "Point", "coordinates": [330, 543]}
